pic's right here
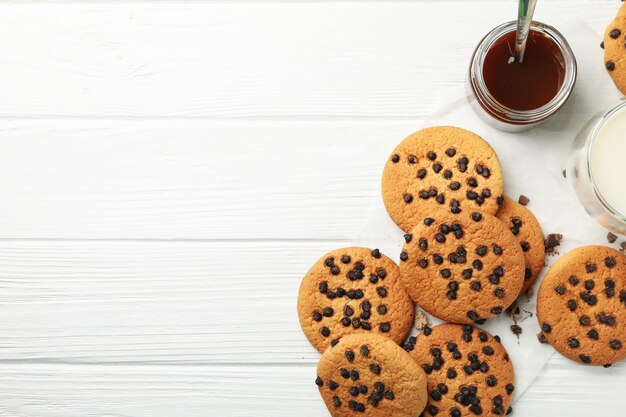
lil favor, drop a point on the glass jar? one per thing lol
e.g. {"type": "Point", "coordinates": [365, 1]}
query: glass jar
{"type": "Point", "coordinates": [500, 116]}
{"type": "Point", "coordinates": [590, 183]}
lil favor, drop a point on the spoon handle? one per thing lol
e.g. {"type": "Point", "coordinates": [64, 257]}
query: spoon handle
{"type": "Point", "coordinates": [524, 19]}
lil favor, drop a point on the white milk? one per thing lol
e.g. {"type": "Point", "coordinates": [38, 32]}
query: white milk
{"type": "Point", "coordinates": [608, 161]}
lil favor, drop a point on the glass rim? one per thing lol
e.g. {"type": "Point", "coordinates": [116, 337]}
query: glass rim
{"type": "Point", "coordinates": [592, 140]}
{"type": "Point", "coordinates": [505, 113]}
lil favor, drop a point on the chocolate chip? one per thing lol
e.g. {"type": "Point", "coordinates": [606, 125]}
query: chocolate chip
{"type": "Point", "coordinates": [356, 322]}
{"type": "Point", "coordinates": [317, 316]}
{"type": "Point", "coordinates": [477, 217]}
{"type": "Point", "coordinates": [602, 44]}
{"type": "Point", "coordinates": [560, 289]}
{"type": "Point", "coordinates": [382, 309]}
{"type": "Point", "coordinates": [492, 381]}
{"type": "Point", "coordinates": [354, 374]}
{"type": "Point", "coordinates": [462, 163]}
{"type": "Point", "coordinates": [615, 33]}
{"type": "Point", "coordinates": [497, 250]}
{"type": "Point", "coordinates": [467, 273]}
{"type": "Point", "coordinates": [496, 310]}
{"type": "Point", "coordinates": [346, 321]}
{"type": "Point", "coordinates": [593, 334]}
{"type": "Point", "coordinates": [345, 374]}
{"type": "Point", "coordinates": [375, 369]}
{"type": "Point", "coordinates": [404, 256]}
{"type": "Point", "coordinates": [428, 221]}
{"type": "Point", "coordinates": [482, 336]}
{"type": "Point", "coordinates": [573, 280]}
{"type": "Point", "coordinates": [589, 284]}
{"type": "Point", "coordinates": [488, 350]}
{"type": "Point", "coordinates": [509, 411]}
{"type": "Point", "coordinates": [606, 319]}
{"type": "Point", "coordinates": [447, 174]}
{"type": "Point", "coordinates": [455, 412]}
{"type": "Point", "coordinates": [610, 262]}
{"type": "Point", "coordinates": [319, 382]}
{"type": "Point", "coordinates": [335, 270]}
{"type": "Point", "coordinates": [584, 320]}
{"type": "Point", "coordinates": [329, 261]}
{"type": "Point", "coordinates": [328, 312]}
{"type": "Point", "coordinates": [607, 365]}
{"type": "Point", "coordinates": [481, 250]}
{"type": "Point", "coordinates": [340, 292]}
{"type": "Point", "coordinates": [510, 388]}
{"type": "Point", "coordinates": [472, 315]}
{"type": "Point", "coordinates": [385, 327]}
{"type": "Point", "coordinates": [437, 167]}
{"type": "Point", "coordinates": [476, 286]}
{"type": "Point", "coordinates": [363, 389]}
{"type": "Point", "coordinates": [516, 330]}
{"type": "Point", "coordinates": [573, 342]}
{"type": "Point", "coordinates": [471, 195]}
{"type": "Point", "coordinates": [345, 259]}
{"type": "Point", "coordinates": [585, 358]}
{"type": "Point", "coordinates": [421, 173]}
{"type": "Point", "coordinates": [431, 155]}
{"type": "Point", "coordinates": [438, 363]}
{"type": "Point", "coordinates": [451, 374]}
{"type": "Point", "coordinates": [376, 253]}
{"type": "Point", "coordinates": [525, 246]}
{"type": "Point", "coordinates": [440, 199]}
{"type": "Point", "coordinates": [445, 273]}
{"type": "Point", "coordinates": [615, 344]}
{"type": "Point", "coordinates": [365, 350]}
{"type": "Point", "coordinates": [427, 331]}
{"type": "Point", "coordinates": [325, 331]}
{"type": "Point", "coordinates": [589, 298]}
{"type": "Point", "coordinates": [494, 279]}
{"type": "Point", "coordinates": [477, 264]}
{"type": "Point", "coordinates": [389, 395]}
{"type": "Point", "coordinates": [408, 237]}
{"type": "Point", "coordinates": [349, 355]}
{"type": "Point", "coordinates": [455, 185]}
{"type": "Point", "coordinates": [499, 292]}
{"type": "Point", "coordinates": [412, 159]}
{"type": "Point", "coordinates": [590, 267]}
{"type": "Point", "coordinates": [546, 328]}
{"type": "Point", "coordinates": [440, 237]}
{"type": "Point", "coordinates": [432, 410]}
{"type": "Point", "coordinates": [408, 198]}
{"type": "Point", "coordinates": [395, 158]}
{"type": "Point", "coordinates": [427, 368]}
{"type": "Point", "coordinates": [381, 291]}
{"type": "Point", "coordinates": [456, 354]}
{"type": "Point", "coordinates": [572, 305]}
{"type": "Point", "coordinates": [486, 193]}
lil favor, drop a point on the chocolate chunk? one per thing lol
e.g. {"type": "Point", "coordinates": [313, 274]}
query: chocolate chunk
{"type": "Point", "coordinates": [382, 309]}
{"type": "Point", "coordinates": [477, 264]}
{"type": "Point", "coordinates": [589, 284]}
{"type": "Point", "coordinates": [523, 200]}
{"type": "Point", "coordinates": [552, 241]}
{"type": "Point", "coordinates": [611, 238]}
{"type": "Point", "coordinates": [346, 321]}
{"type": "Point", "coordinates": [516, 330]}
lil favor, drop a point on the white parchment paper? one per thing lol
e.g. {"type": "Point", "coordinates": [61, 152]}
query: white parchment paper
{"type": "Point", "coordinates": [533, 162]}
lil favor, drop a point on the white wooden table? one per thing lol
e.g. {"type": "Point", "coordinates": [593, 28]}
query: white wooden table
{"type": "Point", "coordinates": [169, 170]}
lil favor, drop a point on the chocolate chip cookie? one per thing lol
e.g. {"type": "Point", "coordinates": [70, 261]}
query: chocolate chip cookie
{"type": "Point", "coordinates": [353, 290]}
{"type": "Point", "coordinates": [526, 228]}
{"type": "Point", "coordinates": [581, 305]}
{"type": "Point", "coordinates": [468, 371]}
{"type": "Point", "coordinates": [462, 267]}
{"type": "Point", "coordinates": [441, 167]}
{"type": "Point", "coordinates": [368, 374]}
{"type": "Point", "coordinates": [615, 50]}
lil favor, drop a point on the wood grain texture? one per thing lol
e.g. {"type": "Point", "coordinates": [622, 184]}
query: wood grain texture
{"type": "Point", "coordinates": [220, 60]}
{"type": "Point", "coordinates": [191, 179]}
{"type": "Point", "coordinates": [33, 390]}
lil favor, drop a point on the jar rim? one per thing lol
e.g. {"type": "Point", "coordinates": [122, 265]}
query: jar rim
{"type": "Point", "coordinates": [504, 113]}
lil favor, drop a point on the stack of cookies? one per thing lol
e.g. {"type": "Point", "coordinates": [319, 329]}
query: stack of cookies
{"type": "Point", "coordinates": [469, 252]}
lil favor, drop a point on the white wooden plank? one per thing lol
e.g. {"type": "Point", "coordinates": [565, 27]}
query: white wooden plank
{"type": "Point", "coordinates": [154, 302]}
{"type": "Point", "coordinates": [191, 179]}
{"type": "Point", "coordinates": [219, 60]}
{"type": "Point", "coordinates": [51, 390]}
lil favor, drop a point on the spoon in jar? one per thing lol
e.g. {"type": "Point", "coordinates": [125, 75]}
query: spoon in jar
{"type": "Point", "coordinates": [525, 13]}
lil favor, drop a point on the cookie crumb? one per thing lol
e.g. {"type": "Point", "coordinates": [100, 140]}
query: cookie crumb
{"type": "Point", "coordinates": [421, 320]}
{"type": "Point", "coordinates": [523, 200]}
{"type": "Point", "coordinates": [564, 174]}
{"type": "Point", "coordinates": [530, 293]}
{"type": "Point", "coordinates": [552, 241]}
{"type": "Point", "coordinates": [516, 330]}
{"type": "Point", "coordinates": [611, 237]}
{"type": "Point", "coordinates": [542, 337]}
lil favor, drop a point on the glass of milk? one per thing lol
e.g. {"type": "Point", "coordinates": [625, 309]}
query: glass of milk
{"type": "Point", "coordinates": [597, 165]}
